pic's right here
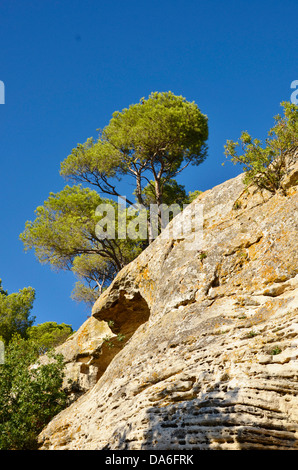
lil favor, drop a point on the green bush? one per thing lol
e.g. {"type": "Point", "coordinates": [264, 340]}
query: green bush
{"type": "Point", "coordinates": [30, 394]}
{"type": "Point", "coordinates": [48, 335]}
{"type": "Point", "coordinates": [266, 165]}
{"type": "Point", "coordinates": [15, 312]}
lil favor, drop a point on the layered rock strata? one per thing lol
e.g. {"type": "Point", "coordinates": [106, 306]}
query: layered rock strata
{"type": "Point", "coordinates": [209, 359]}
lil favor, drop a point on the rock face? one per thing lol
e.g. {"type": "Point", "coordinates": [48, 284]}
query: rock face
{"type": "Point", "coordinates": [83, 356]}
{"type": "Point", "coordinates": [208, 357]}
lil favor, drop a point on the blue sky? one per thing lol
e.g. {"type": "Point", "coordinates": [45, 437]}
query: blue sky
{"type": "Point", "coordinates": [67, 65]}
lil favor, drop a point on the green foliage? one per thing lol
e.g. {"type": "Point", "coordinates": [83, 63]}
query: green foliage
{"type": "Point", "coordinates": [193, 195]}
{"type": "Point", "coordinates": [48, 335]}
{"type": "Point", "coordinates": [120, 337]}
{"type": "Point", "coordinates": [64, 226]}
{"type": "Point", "coordinates": [29, 396]}
{"type": "Point", "coordinates": [94, 163]}
{"type": "Point", "coordinates": [156, 138]}
{"type": "Point", "coordinates": [96, 271]}
{"type": "Point", "coordinates": [173, 193]}
{"type": "Point", "coordinates": [251, 334]}
{"type": "Point", "coordinates": [84, 293]}
{"type": "Point", "coordinates": [30, 392]}
{"type": "Point", "coordinates": [15, 311]}
{"type": "Point", "coordinates": [152, 142]}
{"type": "Point", "coordinates": [276, 351]}
{"type": "Point", "coordinates": [64, 236]}
{"type": "Point", "coordinates": [237, 205]}
{"type": "Point", "coordinates": [110, 340]}
{"type": "Point", "coordinates": [265, 165]}
{"type": "Point", "coordinates": [2, 291]}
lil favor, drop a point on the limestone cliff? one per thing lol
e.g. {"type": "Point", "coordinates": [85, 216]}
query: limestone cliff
{"type": "Point", "coordinates": [209, 358]}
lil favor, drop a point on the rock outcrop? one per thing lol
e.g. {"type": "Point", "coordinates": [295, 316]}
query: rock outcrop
{"type": "Point", "coordinates": [208, 357]}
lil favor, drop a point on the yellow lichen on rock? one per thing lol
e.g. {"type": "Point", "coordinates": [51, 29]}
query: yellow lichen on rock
{"type": "Point", "coordinates": [211, 355]}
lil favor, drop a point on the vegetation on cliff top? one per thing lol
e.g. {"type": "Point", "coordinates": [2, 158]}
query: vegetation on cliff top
{"type": "Point", "coordinates": [151, 142]}
{"type": "Point", "coordinates": [266, 165]}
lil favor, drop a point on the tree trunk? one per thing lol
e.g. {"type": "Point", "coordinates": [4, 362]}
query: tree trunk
{"type": "Point", "coordinates": [158, 194]}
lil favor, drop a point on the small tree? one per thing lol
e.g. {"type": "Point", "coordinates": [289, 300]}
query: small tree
{"type": "Point", "coordinates": [97, 273]}
{"type": "Point", "coordinates": [29, 396]}
{"type": "Point", "coordinates": [154, 139]}
{"type": "Point", "coordinates": [48, 335]}
{"type": "Point", "coordinates": [266, 165]}
{"type": "Point", "coordinates": [15, 312]}
{"type": "Point", "coordinates": [152, 142]}
{"type": "Point", "coordinates": [64, 236]}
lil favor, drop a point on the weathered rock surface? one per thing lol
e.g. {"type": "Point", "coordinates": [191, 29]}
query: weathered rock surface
{"type": "Point", "coordinates": [83, 355]}
{"type": "Point", "coordinates": [210, 359]}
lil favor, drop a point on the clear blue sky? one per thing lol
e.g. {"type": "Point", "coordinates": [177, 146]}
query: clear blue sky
{"type": "Point", "coordinates": [68, 64]}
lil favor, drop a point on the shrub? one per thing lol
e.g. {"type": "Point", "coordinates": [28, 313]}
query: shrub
{"type": "Point", "coordinates": [30, 396]}
{"type": "Point", "coordinates": [266, 165]}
